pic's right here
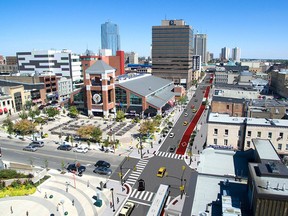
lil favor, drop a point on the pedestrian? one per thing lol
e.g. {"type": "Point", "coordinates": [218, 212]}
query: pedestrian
{"type": "Point", "coordinates": [57, 207]}
{"type": "Point", "coordinates": [73, 202]}
{"type": "Point", "coordinates": [117, 200]}
{"type": "Point", "coordinates": [147, 151]}
{"type": "Point", "coordinates": [11, 209]}
{"type": "Point", "coordinates": [110, 204]}
{"type": "Point", "coordinates": [67, 188]}
{"type": "Point", "coordinates": [45, 195]}
{"type": "Point", "coordinates": [88, 183]}
{"type": "Point", "coordinates": [27, 213]}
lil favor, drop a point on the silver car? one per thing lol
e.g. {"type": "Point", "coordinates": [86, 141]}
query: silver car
{"type": "Point", "coordinates": [30, 148]}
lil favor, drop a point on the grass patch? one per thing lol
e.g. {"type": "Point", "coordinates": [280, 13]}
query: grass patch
{"type": "Point", "coordinates": [21, 191]}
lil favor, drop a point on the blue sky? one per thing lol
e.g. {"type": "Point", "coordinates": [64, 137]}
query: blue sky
{"type": "Point", "coordinates": [258, 27]}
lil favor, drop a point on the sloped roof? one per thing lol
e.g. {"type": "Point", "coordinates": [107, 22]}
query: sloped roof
{"type": "Point", "coordinates": [99, 67]}
{"type": "Point", "coordinates": [145, 85]}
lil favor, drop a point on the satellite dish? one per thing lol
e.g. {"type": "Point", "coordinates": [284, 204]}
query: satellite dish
{"type": "Point", "coordinates": [96, 98]}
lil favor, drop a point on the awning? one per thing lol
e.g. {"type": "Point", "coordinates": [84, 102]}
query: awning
{"type": "Point", "coordinates": [5, 110]}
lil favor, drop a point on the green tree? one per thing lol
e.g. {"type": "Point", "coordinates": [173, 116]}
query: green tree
{"type": "Point", "coordinates": [85, 131]}
{"type": "Point", "coordinates": [147, 127]}
{"type": "Point", "coordinates": [73, 112]}
{"type": "Point", "coordinates": [23, 114]}
{"type": "Point", "coordinates": [52, 112]}
{"type": "Point", "coordinates": [157, 120]}
{"type": "Point", "coordinates": [120, 115]}
{"type": "Point", "coordinates": [28, 105]}
{"type": "Point", "coordinates": [31, 114]}
{"type": "Point", "coordinates": [9, 125]}
{"type": "Point", "coordinates": [96, 134]}
{"type": "Point", "coordinates": [183, 99]}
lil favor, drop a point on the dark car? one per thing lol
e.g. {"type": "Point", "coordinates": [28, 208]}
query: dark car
{"type": "Point", "coordinates": [172, 149]}
{"type": "Point", "coordinates": [102, 170]}
{"type": "Point", "coordinates": [102, 163]}
{"type": "Point", "coordinates": [76, 168]}
{"type": "Point", "coordinates": [141, 185]}
{"type": "Point", "coordinates": [64, 147]}
{"type": "Point", "coordinates": [30, 148]}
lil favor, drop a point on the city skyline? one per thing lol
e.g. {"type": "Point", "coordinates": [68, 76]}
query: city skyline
{"type": "Point", "coordinates": [55, 24]}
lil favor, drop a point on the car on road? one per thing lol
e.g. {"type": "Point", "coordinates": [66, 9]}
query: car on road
{"type": "Point", "coordinates": [172, 149]}
{"type": "Point", "coordinates": [171, 135]}
{"type": "Point", "coordinates": [185, 123]}
{"type": "Point", "coordinates": [76, 168]}
{"type": "Point", "coordinates": [37, 143]}
{"type": "Point", "coordinates": [30, 148]}
{"type": "Point", "coordinates": [102, 163]}
{"type": "Point", "coordinates": [64, 147]}
{"type": "Point", "coordinates": [194, 110]}
{"type": "Point", "coordinates": [161, 172]}
{"type": "Point", "coordinates": [194, 95]}
{"type": "Point", "coordinates": [102, 170]}
{"type": "Point", "coordinates": [141, 185]}
{"type": "Point", "coordinates": [196, 100]}
{"type": "Point", "coordinates": [127, 209]}
{"type": "Point", "coordinates": [80, 149]}
{"type": "Point", "coordinates": [185, 114]}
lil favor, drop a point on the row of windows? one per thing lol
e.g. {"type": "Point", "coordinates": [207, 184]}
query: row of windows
{"type": "Point", "coordinates": [4, 103]}
{"type": "Point", "coordinates": [279, 147]}
{"type": "Point", "coordinates": [259, 134]}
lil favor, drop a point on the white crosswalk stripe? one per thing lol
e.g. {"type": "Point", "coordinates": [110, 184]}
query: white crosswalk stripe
{"type": "Point", "coordinates": [133, 177]}
{"type": "Point", "coordinates": [142, 195]}
{"type": "Point", "coordinates": [169, 155]}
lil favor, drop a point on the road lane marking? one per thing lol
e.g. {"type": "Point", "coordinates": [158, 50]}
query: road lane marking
{"type": "Point", "coordinates": [150, 197]}
{"type": "Point", "coordinates": [141, 203]}
{"type": "Point", "coordinates": [133, 193]}
{"type": "Point", "coordinates": [125, 173]}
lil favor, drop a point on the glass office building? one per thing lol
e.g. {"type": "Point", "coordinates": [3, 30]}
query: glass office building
{"type": "Point", "coordinates": [110, 38]}
{"type": "Point", "coordinates": [172, 50]}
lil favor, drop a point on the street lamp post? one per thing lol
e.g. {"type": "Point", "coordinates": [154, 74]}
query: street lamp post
{"type": "Point", "coordinates": [182, 186]}
{"type": "Point", "coordinates": [141, 147]}
{"type": "Point", "coordinates": [112, 199]}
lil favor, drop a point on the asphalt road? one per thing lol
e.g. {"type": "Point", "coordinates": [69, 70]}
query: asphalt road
{"type": "Point", "coordinates": [12, 151]}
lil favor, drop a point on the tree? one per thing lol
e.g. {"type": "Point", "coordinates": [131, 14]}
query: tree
{"type": "Point", "coordinates": [147, 127]}
{"type": "Point", "coordinates": [120, 115]}
{"type": "Point", "coordinates": [96, 134]}
{"type": "Point", "coordinates": [31, 114]}
{"type": "Point", "coordinates": [9, 125]}
{"type": "Point", "coordinates": [85, 131]}
{"type": "Point", "coordinates": [157, 120]}
{"type": "Point", "coordinates": [51, 112]}
{"type": "Point", "coordinates": [24, 127]}
{"type": "Point", "coordinates": [183, 99]}
{"type": "Point", "coordinates": [73, 112]}
{"type": "Point", "coordinates": [28, 105]}
{"type": "Point", "coordinates": [23, 115]}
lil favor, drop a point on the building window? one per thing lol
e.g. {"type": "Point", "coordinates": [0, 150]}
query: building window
{"type": "Point", "coordinates": [215, 141]}
{"type": "Point", "coordinates": [286, 147]}
{"type": "Point", "coordinates": [225, 142]}
{"type": "Point", "coordinates": [4, 103]}
{"type": "Point", "coordinates": [215, 131]}
{"type": "Point", "coordinates": [8, 102]}
{"type": "Point", "coordinates": [248, 144]}
{"type": "Point", "coordinates": [249, 133]}
{"type": "Point", "coordinates": [279, 146]}
{"type": "Point", "coordinates": [281, 135]}
{"type": "Point", "coordinates": [227, 106]}
{"type": "Point", "coordinates": [226, 132]}
{"type": "Point", "coordinates": [259, 134]}
{"type": "Point", "coordinates": [239, 133]}
{"type": "Point", "coordinates": [269, 135]}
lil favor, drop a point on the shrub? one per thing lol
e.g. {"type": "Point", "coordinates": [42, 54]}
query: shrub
{"type": "Point", "coordinates": [2, 185]}
{"type": "Point", "coordinates": [16, 184]}
{"type": "Point", "coordinates": [10, 174]}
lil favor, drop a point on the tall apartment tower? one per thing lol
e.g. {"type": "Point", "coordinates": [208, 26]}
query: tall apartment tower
{"type": "Point", "coordinates": [236, 54]}
{"type": "Point", "coordinates": [225, 53]}
{"type": "Point", "coordinates": [172, 50]}
{"type": "Point", "coordinates": [200, 42]}
{"type": "Point", "coordinates": [110, 38]}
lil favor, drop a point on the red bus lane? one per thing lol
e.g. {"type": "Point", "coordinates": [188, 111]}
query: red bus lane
{"type": "Point", "coordinates": [185, 139]}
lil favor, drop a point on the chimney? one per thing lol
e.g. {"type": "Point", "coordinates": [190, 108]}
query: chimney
{"type": "Point", "coordinates": [267, 185]}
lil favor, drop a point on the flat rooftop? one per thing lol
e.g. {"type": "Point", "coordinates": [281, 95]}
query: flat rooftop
{"type": "Point", "coordinates": [265, 149]}
{"type": "Point", "coordinates": [226, 119]}
{"type": "Point", "coordinates": [228, 99]}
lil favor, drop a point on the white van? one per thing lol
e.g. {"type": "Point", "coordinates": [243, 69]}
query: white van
{"type": "Point", "coordinates": [127, 209]}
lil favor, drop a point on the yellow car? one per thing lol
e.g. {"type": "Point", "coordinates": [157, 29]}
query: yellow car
{"type": "Point", "coordinates": [161, 172]}
{"type": "Point", "coordinates": [185, 123]}
{"type": "Point", "coordinates": [194, 110]}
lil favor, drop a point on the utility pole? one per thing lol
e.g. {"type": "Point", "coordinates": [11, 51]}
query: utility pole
{"type": "Point", "coordinates": [141, 147]}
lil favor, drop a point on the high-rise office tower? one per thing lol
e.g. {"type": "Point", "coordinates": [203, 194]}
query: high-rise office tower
{"type": "Point", "coordinates": [236, 54]}
{"type": "Point", "coordinates": [172, 50]}
{"type": "Point", "coordinates": [225, 54]}
{"type": "Point", "coordinates": [200, 42]}
{"type": "Point", "coordinates": [110, 38]}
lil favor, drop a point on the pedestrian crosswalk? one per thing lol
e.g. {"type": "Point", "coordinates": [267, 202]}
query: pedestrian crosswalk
{"type": "Point", "coordinates": [169, 155]}
{"type": "Point", "coordinates": [133, 177]}
{"type": "Point", "coordinates": [142, 195]}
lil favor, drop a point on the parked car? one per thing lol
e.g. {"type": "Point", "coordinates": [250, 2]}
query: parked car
{"type": "Point", "coordinates": [76, 168]}
{"type": "Point", "coordinates": [127, 209]}
{"type": "Point", "coordinates": [161, 172]}
{"type": "Point", "coordinates": [185, 123]}
{"type": "Point", "coordinates": [80, 149]}
{"type": "Point", "coordinates": [37, 143]}
{"type": "Point", "coordinates": [194, 110]}
{"type": "Point", "coordinates": [102, 170]}
{"type": "Point", "coordinates": [64, 147]}
{"type": "Point", "coordinates": [102, 163]}
{"type": "Point", "coordinates": [185, 114]}
{"type": "Point", "coordinates": [30, 148]}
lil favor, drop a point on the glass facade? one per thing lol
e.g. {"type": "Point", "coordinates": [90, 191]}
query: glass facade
{"type": "Point", "coordinates": [121, 96]}
{"type": "Point", "coordinates": [135, 100]}
{"type": "Point", "coordinates": [110, 38]}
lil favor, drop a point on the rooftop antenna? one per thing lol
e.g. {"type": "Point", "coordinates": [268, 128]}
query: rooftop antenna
{"type": "Point", "coordinates": [267, 185]}
{"type": "Point", "coordinates": [284, 187]}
